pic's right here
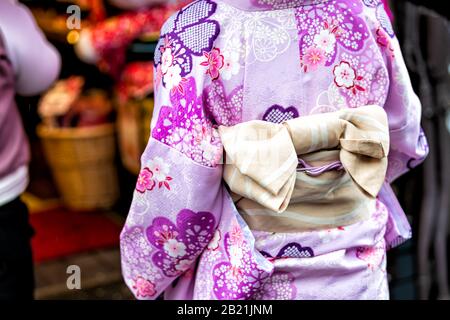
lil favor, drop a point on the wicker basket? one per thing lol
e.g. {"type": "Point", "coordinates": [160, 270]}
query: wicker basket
{"type": "Point", "coordinates": [82, 163]}
{"type": "Point", "coordinates": [133, 130]}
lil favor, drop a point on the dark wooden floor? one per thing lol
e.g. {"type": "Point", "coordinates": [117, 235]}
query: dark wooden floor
{"type": "Point", "coordinates": [100, 277]}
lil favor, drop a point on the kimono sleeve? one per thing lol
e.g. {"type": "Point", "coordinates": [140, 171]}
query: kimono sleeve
{"type": "Point", "coordinates": [408, 144]}
{"type": "Point", "coordinates": [178, 198]}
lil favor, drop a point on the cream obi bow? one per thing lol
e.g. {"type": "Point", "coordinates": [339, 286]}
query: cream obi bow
{"type": "Point", "coordinates": [262, 161]}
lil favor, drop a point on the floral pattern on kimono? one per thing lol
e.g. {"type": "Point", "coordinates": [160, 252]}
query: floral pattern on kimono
{"type": "Point", "coordinates": [225, 109]}
{"type": "Point", "coordinates": [179, 42]}
{"type": "Point", "coordinates": [239, 278]}
{"type": "Point", "coordinates": [326, 27]}
{"type": "Point", "coordinates": [185, 127]}
{"type": "Point", "coordinates": [179, 245]}
{"type": "Point", "coordinates": [269, 35]}
{"type": "Point", "coordinates": [381, 15]}
{"type": "Point", "coordinates": [184, 235]}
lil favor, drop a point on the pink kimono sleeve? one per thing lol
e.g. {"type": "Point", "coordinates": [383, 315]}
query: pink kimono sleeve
{"type": "Point", "coordinates": [408, 144]}
{"type": "Point", "coordinates": [180, 208]}
{"type": "Point", "coordinates": [178, 197]}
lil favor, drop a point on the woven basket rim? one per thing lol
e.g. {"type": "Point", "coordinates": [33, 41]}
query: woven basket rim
{"type": "Point", "coordinates": [75, 133]}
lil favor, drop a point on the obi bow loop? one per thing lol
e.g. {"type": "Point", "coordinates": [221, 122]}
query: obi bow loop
{"type": "Point", "coordinates": [262, 157]}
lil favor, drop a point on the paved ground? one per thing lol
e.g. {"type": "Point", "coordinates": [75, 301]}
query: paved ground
{"type": "Point", "coordinates": [100, 277]}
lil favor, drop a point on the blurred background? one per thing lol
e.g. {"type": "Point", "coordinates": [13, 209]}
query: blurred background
{"type": "Point", "coordinates": [88, 131]}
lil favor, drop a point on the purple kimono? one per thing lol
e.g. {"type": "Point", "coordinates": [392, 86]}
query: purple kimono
{"type": "Point", "coordinates": [224, 62]}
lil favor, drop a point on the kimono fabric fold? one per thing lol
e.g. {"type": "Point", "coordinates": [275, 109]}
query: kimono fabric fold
{"type": "Point", "coordinates": [279, 195]}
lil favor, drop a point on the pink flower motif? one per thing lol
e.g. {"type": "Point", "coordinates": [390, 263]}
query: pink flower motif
{"type": "Point", "coordinates": [313, 59]}
{"type": "Point", "coordinates": [373, 256]}
{"type": "Point", "coordinates": [145, 181]}
{"type": "Point", "coordinates": [236, 235]}
{"type": "Point", "coordinates": [214, 62]}
{"type": "Point", "coordinates": [383, 41]}
{"type": "Point", "coordinates": [144, 288]}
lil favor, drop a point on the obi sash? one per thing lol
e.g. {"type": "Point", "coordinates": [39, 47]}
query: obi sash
{"type": "Point", "coordinates": [312, 172]}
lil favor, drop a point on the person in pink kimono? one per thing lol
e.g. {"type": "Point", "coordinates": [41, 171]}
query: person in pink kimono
{"type": "Point", "coordinates": [225, 63]}
{"type": "Point", "coordinates": [28, 66]}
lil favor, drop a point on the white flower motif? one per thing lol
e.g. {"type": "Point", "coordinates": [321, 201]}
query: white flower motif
{"type": "Point", "coordinates": [211, 153]}
{"type": "Point", "coordinates": [160, 168]}
{"type": "Point", "coordinates": [231, 65]}
{"type": "Point", "coordinates": [325, 40]}
{"type": "Point", "coordinates": [181, 139]}
{"type": "Point", "coordinates": [214, 243]}
{"type": "Point", "coordinates": [183, 265]}
{"type": "Point", "coordinates": [172, 78]}
{"type": "Point", "coordinates": [175, 248]}
{"type": "Point", "coordinates": [236, 256]}
{"type": "Point", "coordinates": [166, 60]}
{"type": "Point", "coordinates": [344, 75]}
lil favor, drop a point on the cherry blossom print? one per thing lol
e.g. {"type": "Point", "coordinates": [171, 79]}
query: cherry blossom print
{"type": "Point", "coordinates": [372, 255]}
{"type": "Point", "coordinates": [330, 25]}
{"type": "Point", "coordinates": [278, 114]}
{"type": "Point", "coordinates": [345, 76]}
{"type": "Point", "coordinates": [185, 127]}
{"type": "Point", "coordinates": [167, 59]}
{"type": "Point", "coordinates": [180, 40]}
{"type": "Point", "coordinates": [214, 63]}
{"type": "Point", "coordinates": [279, 286]}
{"type": "Point", "coordinates": [160, 169]}
{"type": "Point", "coordinates": [215, 241]}
{"type": "Point", "coordinates": [281, 4]}
{"type": "Point", "coordinates": [231, 65]}
{"type": "Point", "coordinates": [313, 59]}
{"type": "Point", "coordinates": [145, 181]}
{"type": "Point", "coordinates": [239, 278]}
{"type": "Point", "coordinates": [371, 75]}
{"type": "Point", "coordinates": [144, 288]}
{"type": "Point", "coordinates": [384, 42]}
{"type": "Point", "coordinates": [173, 80]}
{"type": "Point", "coordinates": [178, 245]}
{"type": "Point", "coordinates": [325, 40]}
{"type": "Point", "coordinates": [137, 262]}
{"type": "Point", "coordinates": [173, 238]}
{"type": "Point", "coordinates": [174, 248]}
{"type": "Point", "coordinates": [225, 109]}
{"type": "Point", "coordinates": [236, 235]}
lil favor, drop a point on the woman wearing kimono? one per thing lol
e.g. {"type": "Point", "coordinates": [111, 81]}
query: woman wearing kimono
{"type": "Point", "coordinates": [222, 65]}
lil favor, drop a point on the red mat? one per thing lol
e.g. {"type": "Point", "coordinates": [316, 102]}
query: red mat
{"type": "Point", "coordinates": [60, 232]}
